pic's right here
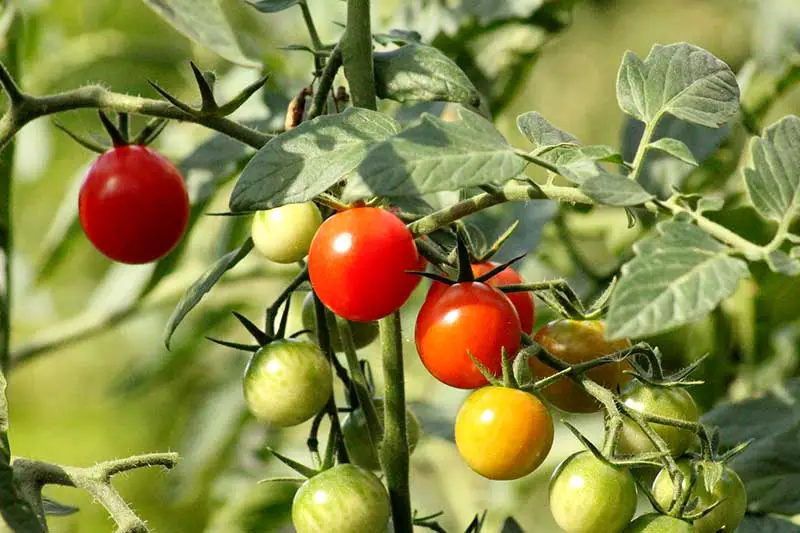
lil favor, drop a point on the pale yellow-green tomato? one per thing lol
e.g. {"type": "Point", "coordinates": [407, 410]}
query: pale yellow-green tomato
{"type": "Point", "coordinates": [284, 234]}
{"type": "Point", "coordinates": [658, 523]}
{"type": "Point", "coordinates": [729, 490]}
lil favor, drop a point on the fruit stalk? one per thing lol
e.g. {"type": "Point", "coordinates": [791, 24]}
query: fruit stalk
{"type": "Point", "coordinates": [394, 449]}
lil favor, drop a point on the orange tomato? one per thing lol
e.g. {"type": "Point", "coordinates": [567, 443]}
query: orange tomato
{"type": "Point", "coordinates": [503, 433]}
{"type": "Point", "coordinates": [575, 342]}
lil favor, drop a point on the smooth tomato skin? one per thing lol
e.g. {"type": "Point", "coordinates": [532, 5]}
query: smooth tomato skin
{"type": "Point", "coordinates": [523, 301]}
{"type": "Point", "coordinates": [133, 205]}
{"type": "Point", "coordinates": [344, 499]}
{"type": "Point", "coordinates": [358, 262]}
{"type": "Point", "coordinates": [575, 342]}
{"type": "Point", "coordinates": [465, 317]}
{"type": "Point", "coordinates": [729, 490]}
{"type": "Point", "coordinates": [283, 235]}
{"type": "Point", "coordinates": [590, 496]}
{"type": "Point", "coordinates": [287, 382]}
{"type": "Point", "coordinates": [671, 403]}
{"type": "Point", "coordinates": [503, 433]}
{"type": "Point", "coordinates": [658, 523]}
{"type": "Point", "coordinates": [356, 436]}
{"type": "Point", "coordinates": [363, 332]}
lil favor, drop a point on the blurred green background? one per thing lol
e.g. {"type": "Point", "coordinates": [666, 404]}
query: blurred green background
{"type": "Point", "coordinates": [120, 392]}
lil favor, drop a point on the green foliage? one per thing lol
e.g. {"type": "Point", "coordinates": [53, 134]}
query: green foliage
{"type": "Point", "coordinates": [204, 284]}
{"type": "Point", "coordinates": [681, 79]}
{"type": "Point", "coordinates": [299, 164]}
{"type": "Point", "coordinates": [204, 22]}
{"type": "Point", "coordinates": [416, 72]}
{"type": "Point", "coordinates": [433, 155]}
{"type": "Point", "coordinates": [678, 276]}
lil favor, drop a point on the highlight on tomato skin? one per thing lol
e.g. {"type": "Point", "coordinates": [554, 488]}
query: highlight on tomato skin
{"type": "Point", "coordinates": [133, 205]}
{"type": "Point", "coordinates": [575, 342]}
{"type": "Point", "coordinates": [503, 433]}
{"type": "Point", "coordinates": [464, 319]}
{"type": "Point", "coordinates": [359, 261]}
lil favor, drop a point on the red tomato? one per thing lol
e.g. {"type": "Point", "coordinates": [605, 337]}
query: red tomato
{"type": "Point", "coordinates": [358, 261]}
{"type": "Point", "coordinates": [466, 316]}
{"type": "Point", "coordinates": [133, 205]}
{"type": "Point", "coordinates": [523, 301]}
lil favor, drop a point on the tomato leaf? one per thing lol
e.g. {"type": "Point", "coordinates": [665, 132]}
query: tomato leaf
{"type": "Point", "coordinates": [433, 155]}
{"type": "Point", "coordinates": [417, 72]}
{"type": "Point", "coordinates": [610, 189]}
{"type": "Point", "coordinates": [766, 524]}
{"type": "Point", "coordinates": [54, 508]}
{"type": "Point", "coordinates": [677, 276]}
{"type": "Point", "coordinates": [773, 181]}
{"type": "Point", "coordinates": [675, 148]}
{"type": "Point", "coordinates": [681, 79]}
{"type": "Point", "coordinates": [204, 22]}
{"type": "Point", "coordinates": [770, 470]}
{"type": "Point", "coordinates": [204, 284]}
{"type": "Point", "coordinates": [272, 6]}
{"type": "Point", "coordinates": [757, 418]}
{"type": "Point", "coordinates": [301, 163]}
{"type": "Point", "coordinates": [540, 132]}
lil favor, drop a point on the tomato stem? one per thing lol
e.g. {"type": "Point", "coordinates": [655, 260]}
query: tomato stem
{"type": "Point", "coordinates": [394, 449]}
{"type": "Point", "coordinates": [357, 54]}
{"type": "Point", "coordinates": [360, 384]}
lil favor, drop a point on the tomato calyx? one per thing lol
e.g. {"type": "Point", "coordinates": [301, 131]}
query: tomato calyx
{"type": "Point", "coordinates": [262, 337]}
{"type": "Point", "coordinates": [119, 134]}
{"type": "Point", "coordinates": [464, 267]}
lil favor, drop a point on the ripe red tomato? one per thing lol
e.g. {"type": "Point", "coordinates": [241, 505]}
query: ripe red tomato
{"type": "Point", "coordinates": [575, 342]}
{"type": "Point", "coordinates": [133, 205]}
{"type": "Point", "coordinates": [358, 261]}
{"type": "Point", "coordinates": [466, 316]}
{"type": "Point", "coordinates": [503, 433]}
{"type": "Point", "coordinates": [523, 301]}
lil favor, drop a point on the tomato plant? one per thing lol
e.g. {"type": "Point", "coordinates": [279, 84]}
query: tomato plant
{"type": "Point", "coordinates": [588, 494]}
{"type": "Point", "coordinates": [344, 499]}
{"type": "Point", "coordinates": [358, 262]}
{"type": "Point", "coordinates": [523, 301]}
{"type": "Point", "coordinates": [284, 234]}
{"type": "Point", "coordinates": [675, 403]}
{"type": "Point", "coordinates": [356, 436]}
{"type": "Point", "coordinates": [658, 523]}
{"type": "Point", "coordinates": [405, 145]}
{"type": "Point", "coordinates": [287, 382]}
{"type": "Point", "coordinates": [503, 433]}
{"type": "Point", "coordinates": [466, 318]}
{"type": "Point", "coordinates": [363, 332]}
{"type": "Point", "coordinates": [133, 205]}
{"type": "Point", "coordinates": [728, 491]}
{"type": "Point", "coordinates": [576, 342]}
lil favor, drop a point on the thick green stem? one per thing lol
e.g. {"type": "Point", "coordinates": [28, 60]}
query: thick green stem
{"type": "Point", "coordinates": [360, 382]}
{"type": "Point", "coordinates": [513, 191]}
{"type": "Point", "coordinates": [394, 450]}
{"type": "Point", "coordinates": [357, 54]}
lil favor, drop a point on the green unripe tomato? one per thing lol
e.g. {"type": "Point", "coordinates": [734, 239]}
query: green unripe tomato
{"type": "Point", "coordinates": [672, 402]}
{"type": "Point", "coordinates": [363, 332]}
{"type": "Point", "coordinates": [344, 499]}
{"type": "Point", "coordinates": [729, 489]}
{"type": "Point", "coordinates": [658, 523]}
{"type": "Point", "coordinates": [356, 436]}
{"type": "Point", "coordinates": [590, 496]}
{"type": "Point", "coordinates": [287, 382]}
{"type": "Point", "coordinates": [284, 234]}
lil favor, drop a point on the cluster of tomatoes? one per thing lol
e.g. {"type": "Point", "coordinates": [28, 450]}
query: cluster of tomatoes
{"type": "Point", "coordinates": [363, 265]}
